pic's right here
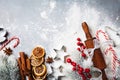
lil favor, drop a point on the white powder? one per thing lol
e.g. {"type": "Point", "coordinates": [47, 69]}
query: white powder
{"type": "Point", "coordinates": [52, 23]}
{"type": "Point", "coordinates": [74, 17]}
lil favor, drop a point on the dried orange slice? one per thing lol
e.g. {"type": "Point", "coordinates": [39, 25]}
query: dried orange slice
{"type": "Point", "coordinates": [36, 62]}
{"type": "Point", "coordinates": [40, 77]}
{"type": "Point", "coordinates": [38, 52]}
{"type": "Point", "coordinates": [32, 57]}
{"type": "Point", "coordinates": [40, 70]}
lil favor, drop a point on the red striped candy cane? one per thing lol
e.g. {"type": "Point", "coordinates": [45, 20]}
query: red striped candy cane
{"type": "Point", "coordinates": [8, 41]}
{"type": "Point", "coordinates": [114, 56]}
{"type": "Point", "coordinates": [110, 48]}
{"type": "Point", "coordinates": [104, 34]}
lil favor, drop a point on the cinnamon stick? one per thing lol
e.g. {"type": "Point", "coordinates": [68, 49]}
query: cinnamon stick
{"type": "Point", "coordinates": [30, 77]}
{"type": "Point", "coordinates": [28, 65]}
{"type": "Point", "coordinates": [23, 61]}
{"type": "Point", "coordinates": [27, 70]}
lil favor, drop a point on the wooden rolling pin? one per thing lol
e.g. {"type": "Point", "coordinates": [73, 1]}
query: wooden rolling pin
{"type": "Point", "coordinates": [97, 59]}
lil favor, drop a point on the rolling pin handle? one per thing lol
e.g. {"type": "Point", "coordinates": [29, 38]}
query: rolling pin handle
{"type": "Point", "coordinates": [86, 30]}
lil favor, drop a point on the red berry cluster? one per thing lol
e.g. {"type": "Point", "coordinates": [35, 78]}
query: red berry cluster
{"type": "Point", "coordinates": [84, 73]}
{"type": "Point", "coordinates": [81, 47]}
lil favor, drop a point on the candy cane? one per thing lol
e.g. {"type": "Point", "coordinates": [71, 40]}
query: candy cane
{"type": "Point", "coordinates": [114, 57]}
{"type": "Point", "coordinates": [8, 41]}
{"type": "Point", "coordinates": [110, 48]}
{"type": "Point", "coordinates": [105, 35]}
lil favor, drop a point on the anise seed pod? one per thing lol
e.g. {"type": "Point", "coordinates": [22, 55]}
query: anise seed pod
{"type": "Point", "coordinates": [8, 51]}
{"type": "Point", "coordinates": [49, 60]}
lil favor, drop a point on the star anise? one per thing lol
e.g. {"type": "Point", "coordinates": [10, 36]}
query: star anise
{"type": "Point", "coordinates": [49, 60]}
{"type": "Point", "coordinates": [8, 51]}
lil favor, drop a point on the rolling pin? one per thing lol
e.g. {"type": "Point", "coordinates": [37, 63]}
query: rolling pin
{"type": "Point", "coordinates": [98, 60]}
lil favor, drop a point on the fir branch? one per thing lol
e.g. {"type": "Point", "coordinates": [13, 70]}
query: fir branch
{"type": "Point", "coordinates": [13, 68]}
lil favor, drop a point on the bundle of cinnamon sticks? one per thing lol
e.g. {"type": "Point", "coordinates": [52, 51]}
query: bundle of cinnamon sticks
{"type": "Point", "coordinates": [24, 66]}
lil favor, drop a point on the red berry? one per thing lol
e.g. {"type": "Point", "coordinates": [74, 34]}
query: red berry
{"type": "Point", "coordinates": [81, 69]}
{"type": "Point", "coordinates": [78, 49]}
{"type": "Point", "coordinates": [89, 76]}
{"type": "Point", "coordinates": [68, 60]}
{"type": "Point", "coordinates": [80, 72]}
{"type": "Point", "coordinates": [87, 70]}
{"type": "Point", "coordinates": [83, 55]}
{"type": "Point", "coordinates": [83, 47]}
{"type": "Point", "coordinates": [79, 44]}
{"type": "Point", "coordinates": [83, 78]}
{"type": "Point", "coordinates": [73, 63]}
{"type": "Point", "coordinates": [78, 39]}
{"type": "Point", "coordinates": [78, 66]}
{"type": "Point", "coordinates": [74, 68]}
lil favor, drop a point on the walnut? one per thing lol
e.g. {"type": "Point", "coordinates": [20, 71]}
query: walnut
{"type": "Point", "coordinates": [49, 60]}
{"type": "Point", "coordinates": [8, 51]}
